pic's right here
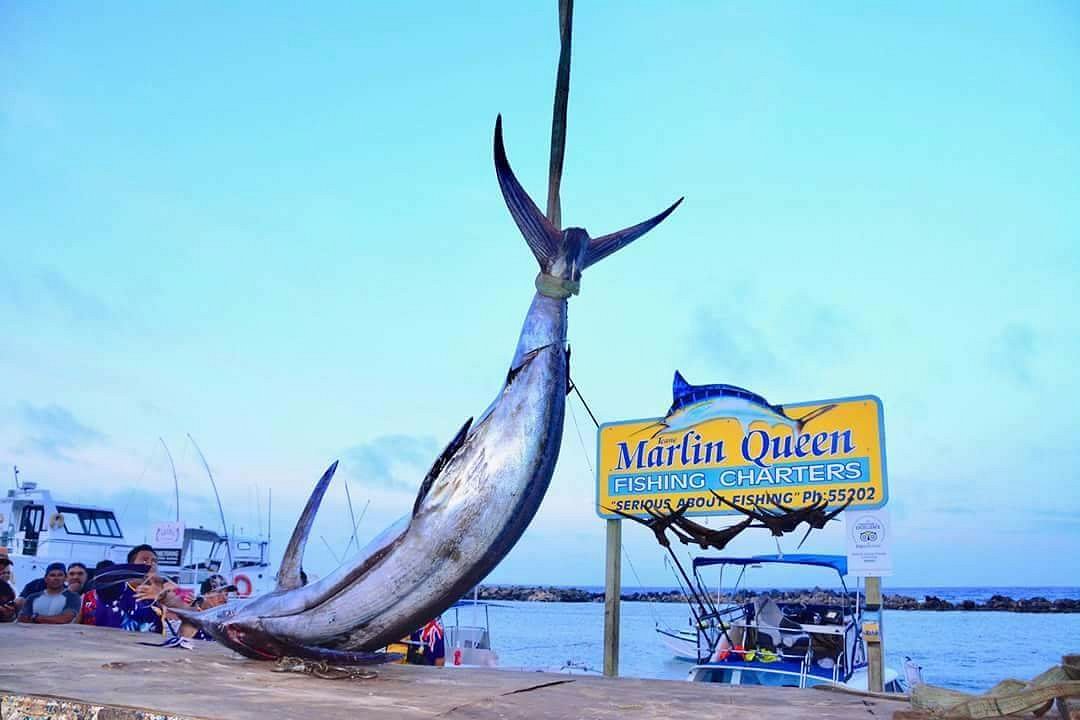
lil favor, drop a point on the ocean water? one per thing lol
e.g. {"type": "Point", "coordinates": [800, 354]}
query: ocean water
{"type": "Point", "coordinates": [968, 651]}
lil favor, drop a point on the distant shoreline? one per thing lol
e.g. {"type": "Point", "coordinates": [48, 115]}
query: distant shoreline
{"type": "Point", "coordinates": [816, 596]}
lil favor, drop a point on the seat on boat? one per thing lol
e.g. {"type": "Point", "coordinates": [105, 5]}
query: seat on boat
{"type": "Point", "coordinates": [777, 632]}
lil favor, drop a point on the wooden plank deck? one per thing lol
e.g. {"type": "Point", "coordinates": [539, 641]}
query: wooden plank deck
{"type": "Point", "coordinates": [86, 672]}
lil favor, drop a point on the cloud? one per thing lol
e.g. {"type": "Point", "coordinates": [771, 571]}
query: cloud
{"type": "Point", "coordinates": [757, 335]}
{"type": "Point", "coordinates": [396, 462]}
{"type": "Point", "coordinates": [46, 294]}
{"type": "Point", "coordinates": [1012, 352]}
{"type": "Point", "coordinates": [53, 431]}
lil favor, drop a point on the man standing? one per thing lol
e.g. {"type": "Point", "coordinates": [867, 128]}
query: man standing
{"type": "Point", "coordinates": [54, 605]}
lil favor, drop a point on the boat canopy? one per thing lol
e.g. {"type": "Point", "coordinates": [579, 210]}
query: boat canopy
{"type": "Point", "coordinates": [836, 562]}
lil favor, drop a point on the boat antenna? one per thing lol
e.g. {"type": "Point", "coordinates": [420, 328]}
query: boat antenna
{"type": "Point", "coordinates": [16, 469]}
{"type": "Point", "coordinates": [176, 483]}
{"type": "Point", "coordinates": [221, 511]}
{"type": "Point", "coordinates": [258, 508]}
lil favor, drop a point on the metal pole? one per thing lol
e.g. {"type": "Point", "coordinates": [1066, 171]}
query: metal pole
{"type": "Point", "coordinates": [875, 649]}
{"type": "Point", "coordinates": [221, 511]}
{"type": "Point", "coordinates": [558, 118]}
{"type": "Point", "coordinates": [612, 591]}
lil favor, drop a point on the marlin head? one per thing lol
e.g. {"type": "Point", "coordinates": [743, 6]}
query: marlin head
{"type": "Point", "coordinates": [562, 254]}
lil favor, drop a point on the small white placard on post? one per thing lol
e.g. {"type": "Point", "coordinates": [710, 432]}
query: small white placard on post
{"type": "Point", "coordinates": [167, 535]}
{"type": "Point", "coordinates": [869, 536]}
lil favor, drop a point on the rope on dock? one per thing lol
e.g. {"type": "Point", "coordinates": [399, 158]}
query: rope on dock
{"type": "Point", "coordinates": [1008, 697]}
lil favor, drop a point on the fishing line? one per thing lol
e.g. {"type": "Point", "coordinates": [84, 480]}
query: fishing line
{"type": "Point", "coordinates": [581, 440]}
{"type": "Point", "coordinates": [137, 485]}
{"type": "Point", "coordinates": [574, 387]}
{"type": "Point", "coordinates": [633, 570]}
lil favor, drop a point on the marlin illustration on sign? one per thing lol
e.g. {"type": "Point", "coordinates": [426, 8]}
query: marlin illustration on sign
{"type": "Point", "coordinates": [694, 404]}
{"type": "Point", "coordinates": [473, 505]}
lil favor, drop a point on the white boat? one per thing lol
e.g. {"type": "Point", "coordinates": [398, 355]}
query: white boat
{"type": "Point", "coordinates": [36, 529]}
{"type": "Point", "coordinates": [240, 561]}
{"type": "Point", "coordinates": [762, 641]}
{"type": "Point", "coordinates": [468, 639]}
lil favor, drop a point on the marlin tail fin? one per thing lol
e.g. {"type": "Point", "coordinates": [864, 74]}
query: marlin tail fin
{"type": "Point", "coordinates": [561, 253]}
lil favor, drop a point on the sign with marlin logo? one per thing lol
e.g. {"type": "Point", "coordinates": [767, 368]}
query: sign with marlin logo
{"type": "Point", "coordinates": [721, 440]}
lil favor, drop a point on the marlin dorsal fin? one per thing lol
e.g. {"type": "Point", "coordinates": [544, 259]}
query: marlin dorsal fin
{"type": "Point", "coordinates": [440, 462]}
{"type": "Point", "coordinates": [289, 572]}
{"type": "Point", "coordinates": [679, 386]}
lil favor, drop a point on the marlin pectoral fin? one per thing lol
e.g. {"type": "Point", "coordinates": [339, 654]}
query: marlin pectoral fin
{"type": "Point", "coordinates": [801, 422]}
{"type": "Point", "coordinates": [289, 570]}
{"type": "Point", "coordinates": [525, 360]}
{"type": "Point", "coordinates": [543, 237]}
{"type": "Point", "coordinates": [601, 247]}
{"type": "Point", "coordinates": [440, 462]}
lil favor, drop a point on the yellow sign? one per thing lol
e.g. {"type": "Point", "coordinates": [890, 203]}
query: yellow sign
{"type": "Point", "coordinates": [719, 440]}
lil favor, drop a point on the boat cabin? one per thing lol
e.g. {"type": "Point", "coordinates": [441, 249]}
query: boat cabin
{"type": "Point", "coordinates": [37, 530]}
{"type": "Point", "coordinates": [241, 561]}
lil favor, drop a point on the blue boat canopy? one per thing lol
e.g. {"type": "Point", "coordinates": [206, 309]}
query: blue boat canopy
{"type": "Point", "coordinates": [836, 562]}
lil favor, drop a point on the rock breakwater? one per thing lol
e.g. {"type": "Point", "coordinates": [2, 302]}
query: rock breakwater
{"type": "Point", "coordinates": [815, 596]}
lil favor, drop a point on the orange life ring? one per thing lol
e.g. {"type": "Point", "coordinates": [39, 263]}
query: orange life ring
{"type": "Point", "coordinates": [243, 585]}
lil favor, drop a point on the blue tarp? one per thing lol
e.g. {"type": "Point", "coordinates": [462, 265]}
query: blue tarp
{"type": "Point", "coordinates": [836, 562]}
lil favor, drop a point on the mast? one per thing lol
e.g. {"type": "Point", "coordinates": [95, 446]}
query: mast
{"type": "Point", "coordinates": [176, 483]}
{"type": "Point", "coordinates": [221, 511]}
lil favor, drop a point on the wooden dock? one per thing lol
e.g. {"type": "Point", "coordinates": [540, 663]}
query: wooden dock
{"type": "Point", "coordinates": [86, 672]}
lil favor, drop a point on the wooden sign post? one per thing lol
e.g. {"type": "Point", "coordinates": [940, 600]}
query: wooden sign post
{"type": "Point", "coordinates": [875, 647]}
{"type": "Point", "coordinates": [612, 593]}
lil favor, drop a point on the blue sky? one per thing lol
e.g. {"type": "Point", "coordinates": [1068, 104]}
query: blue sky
{"type": "Point", "coordinates": [279, 230]}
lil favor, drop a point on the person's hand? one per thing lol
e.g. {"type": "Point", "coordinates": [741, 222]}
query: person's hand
{"type": "Point", "coordinates": [146, 591]}
{"type": "Point", "coordinates": [170, 595]}
{"type": "Point", "coordinates": [213, 599]}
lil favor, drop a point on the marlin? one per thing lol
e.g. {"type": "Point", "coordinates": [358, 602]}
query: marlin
{"type": "Point", "coordinates": [474, 504]}
{"type": "Point", "coordinates": [694, 404]}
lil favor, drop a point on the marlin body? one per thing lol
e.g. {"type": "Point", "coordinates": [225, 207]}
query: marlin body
{"type": "Point", "coordinates": [695, 404]}
{"type": "Point", "coordinates": [473, 506]}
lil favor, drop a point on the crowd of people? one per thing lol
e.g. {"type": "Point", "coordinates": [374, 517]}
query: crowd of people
{"type": "Point", "coordinates": [141, 602]}
{"type": "Point", "coordinates": [132, 597]}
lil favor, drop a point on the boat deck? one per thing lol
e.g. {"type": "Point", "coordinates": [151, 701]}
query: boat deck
{"type": "Point", "coordinates": [87, 672]}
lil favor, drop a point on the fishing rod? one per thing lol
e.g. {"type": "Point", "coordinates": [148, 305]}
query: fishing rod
{"type": "Point", "coordinates": [352, 518]}
{"type": "Point", "coordinates": [176, 483]}
{"type": "Point", "coordinates": [221, 510]}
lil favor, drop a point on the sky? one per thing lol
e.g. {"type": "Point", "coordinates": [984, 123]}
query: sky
{"type": "Point", "coordinates": [278, 229]}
